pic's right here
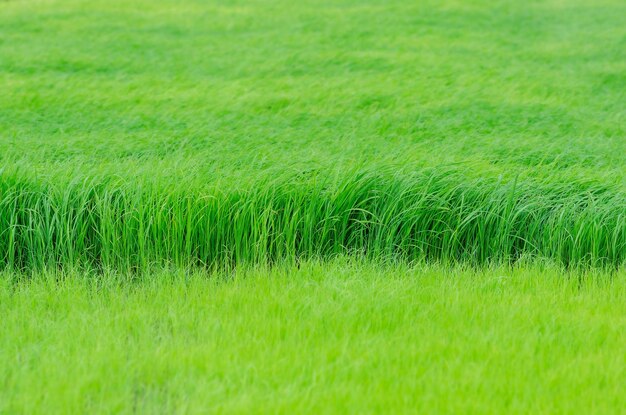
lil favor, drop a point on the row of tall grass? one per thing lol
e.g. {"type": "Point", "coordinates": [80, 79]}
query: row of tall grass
{"type": "Point", "coordinates": [436, 214]}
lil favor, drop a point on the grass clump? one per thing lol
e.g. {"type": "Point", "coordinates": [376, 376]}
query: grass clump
{"type": "Point", "coordinates": [433, 215]}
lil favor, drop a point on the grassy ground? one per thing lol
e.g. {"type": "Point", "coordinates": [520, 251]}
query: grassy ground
{"type": "Point", "coordinates": [332, 337]}
{"type": "Point", "coordinates": [143, 132]}
{"type": "Point", "coordinates": [148, 138]}
{"type": "Point", "coordinates": [227, 90]}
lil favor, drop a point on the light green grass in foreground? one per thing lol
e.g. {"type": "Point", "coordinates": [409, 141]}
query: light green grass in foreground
{"type": "Point", "coordinates": [326, 338]}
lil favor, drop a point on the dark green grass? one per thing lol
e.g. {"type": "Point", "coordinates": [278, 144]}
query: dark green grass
{"type": "Point", "coordinates": [432, 215]}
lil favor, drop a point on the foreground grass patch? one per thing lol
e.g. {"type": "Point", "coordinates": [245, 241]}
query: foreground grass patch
{"type": "Point", "coordinates": [327, 338]}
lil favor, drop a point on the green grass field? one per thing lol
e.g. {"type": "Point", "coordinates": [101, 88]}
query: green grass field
{"type": "Point", "coordinates": [331, 206]}
{"type": "Point", "coordinates": [334, 337]}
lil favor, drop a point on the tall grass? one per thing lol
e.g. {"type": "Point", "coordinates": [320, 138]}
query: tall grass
{"type": "Point", "coordinates": [437, 214]}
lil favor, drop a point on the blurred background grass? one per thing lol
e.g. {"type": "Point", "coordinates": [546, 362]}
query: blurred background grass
{"type": "Point", "coordinates": [234, 91]}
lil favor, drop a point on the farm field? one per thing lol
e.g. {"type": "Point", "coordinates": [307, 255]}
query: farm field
{"type": "Point", "coordinates": [330, 337]}
{"type": "Point", "coordinates": [135, 133]}
{"type": "Point", "coordinates": [329, 206]}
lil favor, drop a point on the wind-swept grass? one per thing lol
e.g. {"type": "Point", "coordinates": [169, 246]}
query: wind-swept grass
{"type": "Point", "coordinates": [142, 133]}
{"type": "Point", "coordinates": [328, 206]}
{"type": "Point", "coordinates": [434, 215]}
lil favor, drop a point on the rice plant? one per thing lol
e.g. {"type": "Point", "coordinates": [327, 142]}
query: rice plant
{"type": "Point", "coordinates": [434, 215]}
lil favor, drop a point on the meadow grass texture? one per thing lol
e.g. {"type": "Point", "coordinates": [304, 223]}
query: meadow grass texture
{"type": "Point", "coordinates": [203, 133]}
{"type": "Point", "coordinates": [346, 206]}
{"type": "Point", "coordinates": [325, 337]}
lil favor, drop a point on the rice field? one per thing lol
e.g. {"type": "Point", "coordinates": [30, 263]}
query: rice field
{"type": "Point", "coordinates": [172, 172]}
{"type": "Point", "coordinates": [327, 337]}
